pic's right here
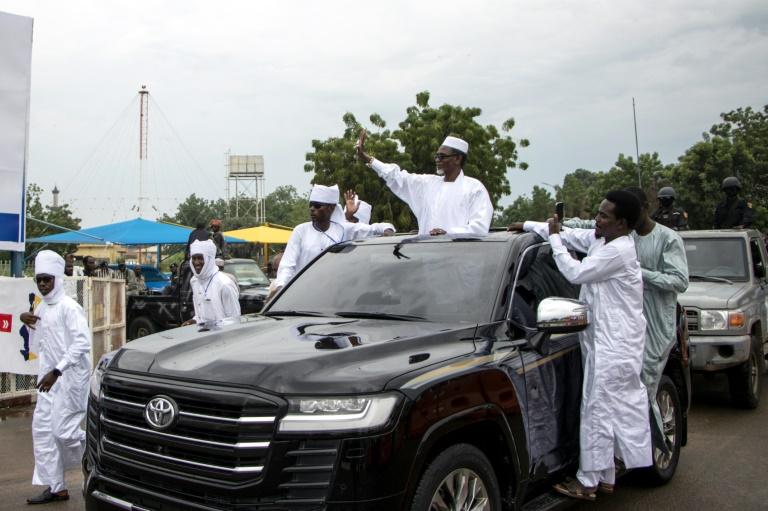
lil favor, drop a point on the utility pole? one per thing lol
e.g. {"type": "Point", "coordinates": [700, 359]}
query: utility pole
{"type": "Point", "coordinates": [143, 137]}
{"type": "Point", "coordinates": [637, 147]}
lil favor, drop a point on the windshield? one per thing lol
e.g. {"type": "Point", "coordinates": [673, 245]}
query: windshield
{"type": "Point", "coordinates": [445, 282]}
{"type": "Point", "coordinates": [247, 274]}
{"type": "Point", "coordinates": [722, 258]}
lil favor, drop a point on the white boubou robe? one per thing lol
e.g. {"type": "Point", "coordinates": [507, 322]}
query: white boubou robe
{"type": "Point", "coordinates": [461, 207]}
{"type": "Point", "coordinates": [214, 295]}
{"type": "Point", "coordinates": [614, 405]}
{"type": "Point", "coordinates": [62, 340]}
{"type": "Point", "coordinates": [307, 242]}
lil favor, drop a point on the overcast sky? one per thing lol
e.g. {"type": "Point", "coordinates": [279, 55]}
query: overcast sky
{"type": "Point", "coordinates": [268, 77]}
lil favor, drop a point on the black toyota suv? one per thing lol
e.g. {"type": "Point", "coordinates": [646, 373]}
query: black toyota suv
{"type": "Point", "coordinates": [397, 373]}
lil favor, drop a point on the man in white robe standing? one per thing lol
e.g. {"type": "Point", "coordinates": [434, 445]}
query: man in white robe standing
{"type": "Point", "coordinates": [60, 335]}
{"type": "Point", "coordinates": [214, 295]}
{"type": "Point", "coordinates": [614, 406]}
{"type": "Point", "coordinates": [327, 227]}
{"type": "Point", "coordinates": [446, 203]}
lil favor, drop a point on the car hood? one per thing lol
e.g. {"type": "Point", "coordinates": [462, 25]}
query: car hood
{"type": "Point", "coordinates": [297, 355]}
{"type": "Point", "coordinates": [710, 295]}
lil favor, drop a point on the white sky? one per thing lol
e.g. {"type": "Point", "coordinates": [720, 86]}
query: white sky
{"type": "Point", "coordinates": [268, 77]}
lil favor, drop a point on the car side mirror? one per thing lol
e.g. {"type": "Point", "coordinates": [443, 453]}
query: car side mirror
{"type": "Point", "coordinates": [562, 316]}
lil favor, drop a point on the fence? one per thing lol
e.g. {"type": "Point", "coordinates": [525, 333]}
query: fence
{"type": "Point", "coordinates": [103, 301]}
{"type": "Point", "coordinates": [5, 269]}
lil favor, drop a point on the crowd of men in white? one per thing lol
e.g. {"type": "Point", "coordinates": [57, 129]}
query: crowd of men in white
{"type": "Point", "coordinates": [630, 278]}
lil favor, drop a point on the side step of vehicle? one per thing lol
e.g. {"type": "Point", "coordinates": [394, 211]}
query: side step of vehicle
{"type": "Point", "coordinates": [549, 502]}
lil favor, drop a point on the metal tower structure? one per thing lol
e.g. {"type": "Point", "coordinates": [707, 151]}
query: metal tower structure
{"type": "Point", "coordinates": [143, 139]}
{"type": "Point", "coordinates": [245, 184]}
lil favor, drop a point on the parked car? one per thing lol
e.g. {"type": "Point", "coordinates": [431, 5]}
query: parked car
{"type": "Point", "coordinates": [155, 280]}
{"type": "Point", "coordinates": [390, 374]}
{"type": "Point", "coordinates": [726, 307]}
{"type": "Point", "coordinates": [147, 314]}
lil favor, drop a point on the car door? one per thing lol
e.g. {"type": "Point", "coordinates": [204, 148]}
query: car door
{"type": "Point", "coordinates": [759, 270]}
{"type": "Point", "coordinates": [552, 374]}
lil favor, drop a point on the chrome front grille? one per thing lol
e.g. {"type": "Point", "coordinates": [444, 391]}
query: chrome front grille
{"type": "Point", "coordinates": [693, 319]}
{"type": "Point", "coordinates": [218, 432]}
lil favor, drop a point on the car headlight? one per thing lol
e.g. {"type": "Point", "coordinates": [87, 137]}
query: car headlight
{"type": "Point", "coordinates": [721, 320]}
{"type": "Point", "coordinates": [98, 374]}
{"type": "Point", "coordinates": [343, 413]}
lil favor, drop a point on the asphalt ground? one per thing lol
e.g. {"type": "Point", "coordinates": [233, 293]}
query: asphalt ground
{"type": "Point", "coordinates": [723, 467]}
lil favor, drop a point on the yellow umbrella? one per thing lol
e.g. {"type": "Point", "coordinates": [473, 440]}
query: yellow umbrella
{"type": "Point", "coordinates": [265, 234]}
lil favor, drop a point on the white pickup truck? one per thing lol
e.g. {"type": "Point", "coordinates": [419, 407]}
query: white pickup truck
{"type": "Point", "coordinates": [726, 307]}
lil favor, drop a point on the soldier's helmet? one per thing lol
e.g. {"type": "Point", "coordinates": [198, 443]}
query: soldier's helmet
{"type": "Point", "coordinates": [666, 193]}
{"type": "Point", "coordinates": [731, 182]}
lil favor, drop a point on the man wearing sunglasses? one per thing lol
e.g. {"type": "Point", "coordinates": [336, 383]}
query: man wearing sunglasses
{"type": "Point", "coordinates": [327, 227]}
{"type": "Point", "coordinates": [60, 336]}
{"type": "Point", "coordinates": [446, 203]}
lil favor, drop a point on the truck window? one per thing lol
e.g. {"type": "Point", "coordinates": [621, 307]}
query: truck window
{"type": "Point", "coordinates": [758, 265]}
{"type": "Point", "coordinates": [442, 281]}
{"type": "Point", "coordinates": [717, 257]}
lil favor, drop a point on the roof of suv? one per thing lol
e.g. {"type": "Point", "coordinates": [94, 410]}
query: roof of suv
{"type": "Point", "coordinates": [719, 233]}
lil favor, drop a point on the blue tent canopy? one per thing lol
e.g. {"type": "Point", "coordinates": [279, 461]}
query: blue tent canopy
{"type": "Point", "coordinates": [131, 232]}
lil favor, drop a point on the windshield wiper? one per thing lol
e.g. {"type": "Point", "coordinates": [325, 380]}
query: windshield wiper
{"type": "Point", "coordinates": [378, 315]}
{"type": "Point", "coordinates": [710, 279]}
{"type": "Point", "coordinates": [295, 313]}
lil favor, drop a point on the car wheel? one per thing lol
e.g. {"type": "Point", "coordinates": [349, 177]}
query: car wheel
{"type": "Point", "coordinates": [460, 478]}
{"type": "Point", "coordinates": [141, 327]}
{"type": "Point", "coordinates": [665, 463]}
{"type": "Point", "coordinates": [744, 381]}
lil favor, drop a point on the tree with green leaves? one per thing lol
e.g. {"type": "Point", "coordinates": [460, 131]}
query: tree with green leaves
{"type": "Point", "coordinates": [492, 154]}
{"type": "Point", "coordinates": [539, 207]}
{"type": "Point", "coordinates": [57, 215]}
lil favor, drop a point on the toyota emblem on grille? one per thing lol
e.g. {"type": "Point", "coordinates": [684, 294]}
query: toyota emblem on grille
{"type": "Point", "coordinates": [161, 412]}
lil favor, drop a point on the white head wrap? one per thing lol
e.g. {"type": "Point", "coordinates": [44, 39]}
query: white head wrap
{"type": "Point", "coordinates": [207, 249]}
{"type": "Point", "coordinates": [456, 143]}
{"type": "Point", "coordinates": [51, 263]}
{"type": "Point", "coordinates": [324, 194]}
{"type": "Point", "coordinates": [363, 214]}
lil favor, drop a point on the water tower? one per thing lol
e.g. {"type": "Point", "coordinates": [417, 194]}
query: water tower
{"type": "Point", "coordinates": [245, 184]}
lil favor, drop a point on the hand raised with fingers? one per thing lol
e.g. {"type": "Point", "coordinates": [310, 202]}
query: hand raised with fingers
{"type": "Point", "coordinates": [360, 148]}
{"type": "Point", "coordinates": [351, 203]}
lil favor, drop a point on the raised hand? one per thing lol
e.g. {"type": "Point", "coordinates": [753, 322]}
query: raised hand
{"type": "Point", "coordinates": [351, 203]}
{"type": "Point", "coordinates": [360, 148]}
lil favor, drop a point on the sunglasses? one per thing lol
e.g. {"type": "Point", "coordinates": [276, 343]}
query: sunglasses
{"type": "Point", "coordinates": [442, 156]}
{"type": "Point", "coordinates": [318, 205]}
{"type": "Point", "coordinates": [43, 280]}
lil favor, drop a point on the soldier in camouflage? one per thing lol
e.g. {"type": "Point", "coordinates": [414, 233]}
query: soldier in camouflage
{"type": "Point", "coordinates": [733, 212]}
{"type": "Point", "coordinates": [667, 214]}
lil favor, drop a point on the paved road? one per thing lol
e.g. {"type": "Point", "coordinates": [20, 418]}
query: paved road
{"type": "Point", "coordinates": [723, 467]}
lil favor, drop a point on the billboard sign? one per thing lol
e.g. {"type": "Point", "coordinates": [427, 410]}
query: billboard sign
{"type": "Point", "coordinates": [15, 82]}
{"type": "Point", "coordinates": [248, 166]}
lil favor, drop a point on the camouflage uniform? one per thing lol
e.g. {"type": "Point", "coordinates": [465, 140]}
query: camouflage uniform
{"type": "Point", "coordinates": [672, 217]}
{"type": "Point", "coordinates": [730, 213]}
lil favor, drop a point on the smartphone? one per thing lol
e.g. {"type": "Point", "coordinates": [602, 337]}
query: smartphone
{"type": "Point", "coordinates": [560, 210]}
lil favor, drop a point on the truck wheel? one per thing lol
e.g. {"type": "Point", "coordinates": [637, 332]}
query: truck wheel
{"type": "Point", "coordinates": [665, 464]}
{"type": "Point", "coordinates": [141, 327]}
{"type": "Point", "coordinates": [461, 477]}
{"type": "Point", "coordinates": [744, 381]}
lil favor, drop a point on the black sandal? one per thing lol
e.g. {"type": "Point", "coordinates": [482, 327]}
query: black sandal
{"type": "Point", "coordinates": [571, 487]}
{"type": "Point", "coordinates": [47, 496]}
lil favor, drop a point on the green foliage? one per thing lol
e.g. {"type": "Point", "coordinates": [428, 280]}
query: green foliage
{"type": "Point", "coordinates": [60, 215]}
{"type": "Point", "coordinates": [539, 207]}
{"type": "Point", "coordinates": [412, 147]}
{"type": "Point", "coordinates": [284, 206]}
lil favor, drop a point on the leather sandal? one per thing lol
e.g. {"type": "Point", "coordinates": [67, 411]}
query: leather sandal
{"type": "Point", "coordinates": [606, 488]}
{"type": "Point", "coordinates": [47, 496]}
{"type": "Point", "coordinates": [571, 487]}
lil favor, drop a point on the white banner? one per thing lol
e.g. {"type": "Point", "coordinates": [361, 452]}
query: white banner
{"type": "Point", "coordinates": [15, 82]}
{"type": "Point", "coordinates": [15, 355]}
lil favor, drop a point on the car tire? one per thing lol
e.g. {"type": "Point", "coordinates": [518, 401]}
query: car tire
{"type": "Point", "coordinates": [744, 380]}
{"type": "Point", "coordinates": [664, 465]}
{"type": "Point", "coordinates": [141, 327]}
{"type": "Point", "coordinates": [459, 467]}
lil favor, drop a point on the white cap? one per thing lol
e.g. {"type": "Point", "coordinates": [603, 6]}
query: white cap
{"type": "Point", "coordinates": [324, 194]}
{"type": "Point", "coordinates": [456, 143]}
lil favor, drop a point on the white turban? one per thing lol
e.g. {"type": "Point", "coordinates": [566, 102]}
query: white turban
{"type": "Point", "coordinates": [363, 214]}
{"type": "Point", "coordinates": [50, 263]}
{"type": "Point", "coordinates": [456, 143]}
{"type": "Point", "coordinates": [207, 249]}
{"type": "Point", "coordinates": [324, 194]}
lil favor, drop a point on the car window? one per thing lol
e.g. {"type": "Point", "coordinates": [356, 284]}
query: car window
{"type": "Point", "coordinates": [758, 268]}
{"type": "Point", "coordinates": [152, 274]}
{"type": "Point", "coordinates": [247, 273]}
{"type": "Point", "coordinates": [442, 281]}
{"type": "Point", "coordinates": [719, 258]}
